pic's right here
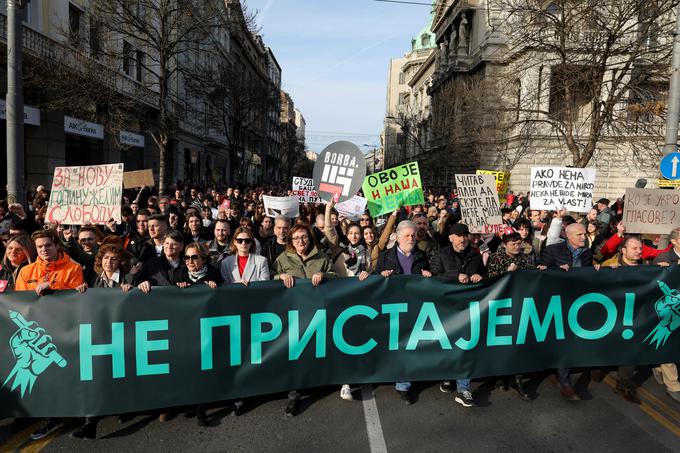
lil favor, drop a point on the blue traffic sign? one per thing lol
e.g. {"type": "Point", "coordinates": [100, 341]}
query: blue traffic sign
{"type": "Point", "coordinates": [670, 166]}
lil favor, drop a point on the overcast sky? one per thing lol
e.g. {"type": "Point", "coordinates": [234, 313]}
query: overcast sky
{"type": "Point", "coordinates": [335, 58]}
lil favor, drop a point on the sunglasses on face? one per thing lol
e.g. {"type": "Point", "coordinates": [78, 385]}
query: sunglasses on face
{"type": "Point", "coordinates": [191, 257]}
{"type": "Point", "coordinates": [243, 241]}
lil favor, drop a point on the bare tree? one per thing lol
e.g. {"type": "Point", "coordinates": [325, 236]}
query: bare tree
{"type": "Point", "coordinates": [155, 37]}
{"type": "Point", "coordinates": [608, 63]}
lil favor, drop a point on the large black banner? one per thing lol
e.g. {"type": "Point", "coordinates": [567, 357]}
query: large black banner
{"type": "Point", "coordinates": [107, 352]}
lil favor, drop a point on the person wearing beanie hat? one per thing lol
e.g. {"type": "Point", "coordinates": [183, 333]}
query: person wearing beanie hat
{"type": "Point", "coordinates": [460, 264]}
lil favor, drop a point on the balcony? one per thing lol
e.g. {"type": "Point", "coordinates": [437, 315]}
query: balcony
{"type": "Point", "coordinates": [42, 47]}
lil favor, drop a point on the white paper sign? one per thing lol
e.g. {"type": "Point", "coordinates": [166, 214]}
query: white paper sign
{"type": "Point", "coordinates": [352, 208]}
{"type": "Point", "coordinates": [651, 211]}
{"type": "Point", "coordinates": [303, 188]}
{"type": "Point", "coordinates": [554, 188]}
{"type": "Point", "coordinates": [86, 194]}
{"type": "Point", "coordinates": [281, 206]}
{"type": "Point", "coordinates": [478, 198]}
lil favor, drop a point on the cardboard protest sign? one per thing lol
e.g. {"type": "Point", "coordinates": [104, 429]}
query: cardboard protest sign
{"type": "Point", "coordinates": [479, 202]}
{"type": "Point", "coordinates": [304, 189]}
{"type": "Point", "coordinates": [390, 189]}
{"type": "Point", "coordinates": [651, 211]}
{"type": "Point", "coordinates": [352, 208]}
{"type": "Point", "coordinates": [502, 180]}
{"type": "Point", "coordinates": [138, 178]}
{"type": "Point", "coordinates": [339, 171]}
{"type": "Point", "coordinates": [281, 206]}
{"type": "Point", "coordinates": [554, 188]}
{"type": "Point", "coordinates": [86, 194]}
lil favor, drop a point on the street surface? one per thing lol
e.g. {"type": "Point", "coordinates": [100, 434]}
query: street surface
{"type": "Point", "coordinates": [382, 422]}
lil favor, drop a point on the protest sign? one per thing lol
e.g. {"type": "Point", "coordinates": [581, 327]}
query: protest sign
{"type": "Point", "coordinates": [281, 206]}
{"type": "Point", "coordinates": [352, 208]}
{"type": "Point", "coordinates": [390, 189]}
{"type": "Point", "coordinates": [339, 171]}
{"type": "Point", "coordinates": [502, 180]}
{"type": "Point", "coordinates": [479, 201]}
{"type": "Point", "coordinates": [110, 352]}
{"type": "Point", "coordinates": [138, 178]}
{"type": "Point", "coordinates": [651, 211]}
{"type": "Point", "coordinates": [554, 188]}
{"type": "Point", "coordinates": [303, 188]}
{"type": "Point", "coordinates": [86, 194]}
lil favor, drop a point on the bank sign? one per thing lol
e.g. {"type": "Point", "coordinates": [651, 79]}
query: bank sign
{"type": "Point", "coordinates": [83, 128]}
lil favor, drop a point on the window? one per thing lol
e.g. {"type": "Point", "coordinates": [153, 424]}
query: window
{"type": "Point", "coordinates": [402, 98]}
{"type": "Point", "coordinates": [141, 61]}
{"type": "Point", "coordinates": [95, 43]}
{"type": "Point", "coordinates": [74, 16]}
{"type": "Point", "coordinates": [400, 138]}
{"type": "Point", "coordinates": [127, 60]}
{"type": "Point", "coordinates": [402, 78]}
{"type": "Point", "coordinates": [425, 40]}
{"type": "Point", "coordinates": [569, 92]}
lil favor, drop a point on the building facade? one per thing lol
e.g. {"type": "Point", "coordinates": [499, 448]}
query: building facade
{"type": "Point", "coordinates": [57, 133]}
{"type": "Point", "coordinates": [496, 97]}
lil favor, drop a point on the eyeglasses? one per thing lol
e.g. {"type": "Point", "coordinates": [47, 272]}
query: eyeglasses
{"type": "Point", "coordinates": [191, 257]}
{"type": "Point", "coordinates": [243, 241]}
{"type": "Point", "coordinates": [300, 238]}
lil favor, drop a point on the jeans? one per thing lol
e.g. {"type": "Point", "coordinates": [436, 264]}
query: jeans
{"type": "Point", "coordinates": [563, 374]}
{"type": "Point", "coordinates": [402, 386]}
{"type": "Point", "coordinates": [462, 385]}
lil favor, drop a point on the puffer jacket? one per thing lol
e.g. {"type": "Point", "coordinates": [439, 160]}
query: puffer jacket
{"type": "Point", "coordinates": [292, 264]}
{"type": "Point", "coordinates": [63, 273]}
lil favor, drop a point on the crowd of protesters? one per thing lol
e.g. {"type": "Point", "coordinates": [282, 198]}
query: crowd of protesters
{"type": "Point", "coordinates": [212, 238]}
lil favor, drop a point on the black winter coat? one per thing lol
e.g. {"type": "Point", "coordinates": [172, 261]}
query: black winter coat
{"type": "Point", "coordinates": [556, 255]}
{"type": "Point", "coordinates": [124, 278]}
{"type": "Point", "coordinates": [388, 261]}
{"type": "Point", "coordinates": [159, 272]}
{"type": "Point", "coordinates": [447, 264]}
{"type": "Point", "coordinates": [213, 275]}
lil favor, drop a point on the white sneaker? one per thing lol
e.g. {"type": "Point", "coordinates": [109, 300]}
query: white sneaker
{"type": "Point", "coordinates": [346, 393]}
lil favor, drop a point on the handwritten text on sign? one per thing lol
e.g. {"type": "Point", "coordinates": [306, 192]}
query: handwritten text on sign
{"type": "Point", "coordinates": [303, 188]}
{"type": "Point", "coordinates": [651, 211]}
{"type": "Point", "coordinates": [478, 200]}
{"type": "Point", "coordinates": [86, 194]}
{"type": "Point", "coordinates": [388, 190]}
{"type": "Point", "coordinates": [558, 187]}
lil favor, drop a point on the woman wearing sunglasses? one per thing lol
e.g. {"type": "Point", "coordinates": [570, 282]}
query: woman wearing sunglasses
{"type": "Point", "coordinates": [243, 265]}
{"type": "Point", "coordinates": [301, 260]}
{"type": "Point", "coordinates": [198, 271]}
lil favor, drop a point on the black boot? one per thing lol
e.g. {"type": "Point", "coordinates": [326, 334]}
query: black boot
{"type": "Point", "coordinates": [291, 407]}
{"type": "Point", "coordinates": [519, 387]}
{"type": "Point", "coordinates": [502, 384]}
{"type": "Point", "coordinates": [87, 430]}
{"type": "Point", "coordinates": [201, 417]}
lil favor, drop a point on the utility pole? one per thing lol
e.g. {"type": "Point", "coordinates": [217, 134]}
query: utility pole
{"type": "Point", "coordinates": [673, 115]}
{"type": "Point", "coordinates": [16, 167]}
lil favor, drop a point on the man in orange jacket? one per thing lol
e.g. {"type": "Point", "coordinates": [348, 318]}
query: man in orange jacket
{"type": "Point", "coordinates": [53, 269]}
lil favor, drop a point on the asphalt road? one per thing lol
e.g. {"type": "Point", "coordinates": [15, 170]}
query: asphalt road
{"type": "Point", "coordinates": [378, 421]}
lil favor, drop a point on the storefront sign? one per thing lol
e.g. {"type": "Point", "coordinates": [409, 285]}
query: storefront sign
{"type": "Point", "coordinates": [132, 139]}
{"type": "Point", "coordinates": [31, 114]}
{"type": "Point", "coordinates": [83, 128]}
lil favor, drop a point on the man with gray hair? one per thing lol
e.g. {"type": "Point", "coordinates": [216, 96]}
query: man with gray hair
{"type": "Point", "coordinates": [567, 255]}
{"type": "Point", "coordinates": [277, 243]}
{"type": "Point", "coordinates": [405, 259]}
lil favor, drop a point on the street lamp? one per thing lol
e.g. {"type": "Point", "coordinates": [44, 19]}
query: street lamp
{"type": "Point", "coordinates": [375, 148]}
{"type": "Point", "coordinates": [16, 180]}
